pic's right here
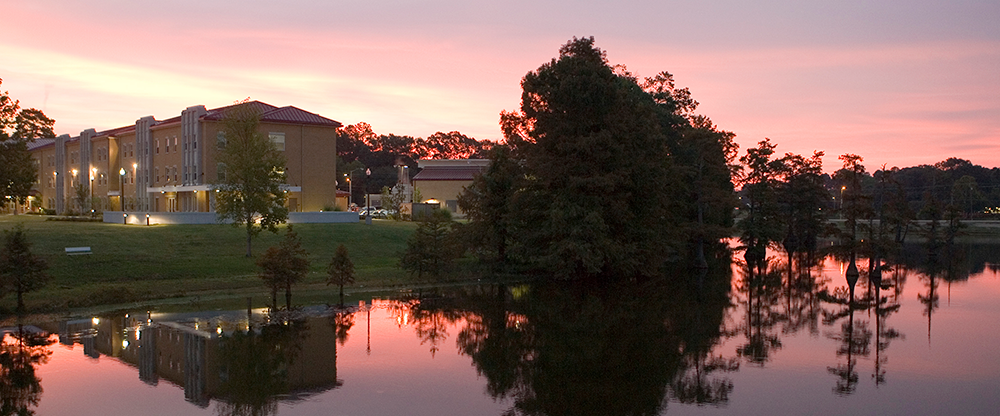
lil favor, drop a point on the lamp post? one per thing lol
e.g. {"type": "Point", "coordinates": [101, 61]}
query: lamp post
{"type": "Point", "coordinates": [93, 172]}
{"type": "Point", "coordinates": [350, 188]}
{"type": "Point", "coordinates": [121, 190]}
{"type": "Point", "coordinates": [368, 211]}
{"type": "Point", "coordinates": [842, 188]}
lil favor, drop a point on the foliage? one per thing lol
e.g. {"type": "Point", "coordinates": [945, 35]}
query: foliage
{"type": "Point", "coordinates": [802, 197]}
{"type": "Point", "coordinates": [488, 205]}
{"type": "Point", "coordinates": [81, 196]}
{"type": "Point", "coordinates": [20, 353]}
{"type": "Point", "coordinates": [18, 128]}
{"type": "Point", "coordinates": [18, 172]}
{"type": "Point", "coordinates": [600, 198]}
{"type": "Point", "coordinates": [283, 266]}
{"type": "Point", "coordinates": [760, 224]}
{"type": "Point", "coordinates": [393, 200]}
{"type": "Point", "coordinates": [341, 271]}
{"type": "Point", "coordinates": [856, 202]}
{"type": "Point", "coordinates": [20, 270]}
{"type": "Point", "coordinates": [430, 250]}
{"type": "Point", "coordinates": [250, 193]}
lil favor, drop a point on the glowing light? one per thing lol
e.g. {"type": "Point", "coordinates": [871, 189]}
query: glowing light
{"type": "Point", "coordinates": [96, 321]}
{"type": "Point", "coordinates": [218, 330]}
{"type": "Point", "coordinates": [124, 343]}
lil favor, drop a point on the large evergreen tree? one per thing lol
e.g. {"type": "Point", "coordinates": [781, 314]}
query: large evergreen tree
{"type": "Point", "coordinates": [488, 204]}
{"type": "Point", "coordinates": [20, 270]}
{"type": "Point", "coordinates": [600, 192]}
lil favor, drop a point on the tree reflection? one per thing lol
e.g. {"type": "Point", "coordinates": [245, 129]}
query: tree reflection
{"type": "Point", "coordinates": [20, 353]}
{"type": "Point", "coordinates": [599, 348]}
{"type": "Point", "coordinates": [761, 286]}
{"type": "Point", "coordinates": [342, 321]}
{"type": "Point", "coordinates": [254, 367]}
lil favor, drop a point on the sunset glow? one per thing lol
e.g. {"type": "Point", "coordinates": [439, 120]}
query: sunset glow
{"type": "Point", "coordinates": [901, 85]}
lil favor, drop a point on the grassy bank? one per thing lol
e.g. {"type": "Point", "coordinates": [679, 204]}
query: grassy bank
{"type": "Point", "coordinates": [132, 264]}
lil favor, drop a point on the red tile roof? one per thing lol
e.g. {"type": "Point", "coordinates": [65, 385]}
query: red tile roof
{"type": "Point", "coordinates": [270, 113]}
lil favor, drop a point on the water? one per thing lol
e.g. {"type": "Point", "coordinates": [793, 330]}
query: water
{"type": "Point", "coordinates": [739, 342]}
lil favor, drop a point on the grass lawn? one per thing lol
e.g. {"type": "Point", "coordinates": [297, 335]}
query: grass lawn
{"type": "Point", "coordinates": [131, 263]}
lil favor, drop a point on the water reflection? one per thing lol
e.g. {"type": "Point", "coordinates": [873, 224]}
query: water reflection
{"type": "Point", "coordinates": [22, 351]}
{"type": "Point", "coordinates": [558, 348]}
{"type": "Point", "coordinates": [246, 365]}
{"type": "Point", "coordinates": [598, 349]}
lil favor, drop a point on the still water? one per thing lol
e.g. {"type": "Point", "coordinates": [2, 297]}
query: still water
{"type": "Point", "coordinates": [778, 340]}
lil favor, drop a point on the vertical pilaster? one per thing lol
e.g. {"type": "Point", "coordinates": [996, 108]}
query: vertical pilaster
{"type": "Point", "coordinates": [144, 159]}
{"type": "Point", "coordinates": [61, 173]}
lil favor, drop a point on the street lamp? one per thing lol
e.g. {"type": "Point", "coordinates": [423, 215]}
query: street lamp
{"type": "Point", "coordinates": [368, 210]}
{"type": "Point", "coordinates": [93, 173]}
{"type": "Point", "coordinates": [842, 188]}
{"type": "Point", "coordinates": [121, 190]}
{"type": "Point", "coordinates": [349, 189]}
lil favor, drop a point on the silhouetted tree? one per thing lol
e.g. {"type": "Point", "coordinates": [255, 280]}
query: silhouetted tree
{"type": "Point", "coordinates": [588, 135]}
{"type": "Point", "coordinates": [20, 270]}
{"type": "Point", "coordinates": [341, 271]}
{"type": "Point", "coordinates": [759, 223]}
{"type": "Point", "coordinates": [431, 249]}
{"type": "Point", "coordinates": [488, 204]}
{"type": "Point", "coordinates": [283, 266]}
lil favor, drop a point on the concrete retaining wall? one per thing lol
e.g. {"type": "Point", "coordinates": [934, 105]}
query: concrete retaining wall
{"type": "Point", "coordinates": [140, 218]}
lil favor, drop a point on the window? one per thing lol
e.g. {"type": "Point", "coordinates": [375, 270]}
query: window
{"type": "Point", "coordinates": [156, 171]}
{"type": "Point", "coordinates": [157, 146]}
{"type": "Point", "coordinates": [175, 143]}
{"type": "Point", "coordinates": [175, 173]}
{"type": "Point", "coordinates": [220, 140]}
{"type": "Point", "coordinates": [278, 140]}
{"type": "Point", "coordinates": [221, 171]}
{"type": "Point", "coordinates": [131, 150]}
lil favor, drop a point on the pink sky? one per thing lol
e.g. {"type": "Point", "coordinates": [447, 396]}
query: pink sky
{"type": "Point", "coordinates": [909, 83]}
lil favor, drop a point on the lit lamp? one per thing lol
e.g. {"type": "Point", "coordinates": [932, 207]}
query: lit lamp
{"type": "Point", "coordinates": [368, 198]}
{"type": "Point", "coordinates": [121, 190]}
{"type": "Point", "coordinates": [93, 173]}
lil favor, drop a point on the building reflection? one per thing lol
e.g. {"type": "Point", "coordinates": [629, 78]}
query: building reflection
{"type": "Point", "coordinates": [208, 357]}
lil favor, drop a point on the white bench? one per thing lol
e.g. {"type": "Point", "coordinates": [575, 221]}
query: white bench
{"type": "Point", "coordinates": [75, 251]}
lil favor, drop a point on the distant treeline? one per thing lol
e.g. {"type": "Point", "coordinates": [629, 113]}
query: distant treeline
{"type": "Point", "coordinates": [360, 148]}
{"type": "Point", "coordinates": [972, 189]}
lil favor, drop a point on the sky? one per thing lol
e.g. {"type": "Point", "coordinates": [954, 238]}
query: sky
{"type": "Point", "coordinates": [900, 83]}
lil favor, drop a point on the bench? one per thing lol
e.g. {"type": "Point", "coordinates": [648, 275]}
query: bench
{"type": "Point", "coordinates": [75, 251]}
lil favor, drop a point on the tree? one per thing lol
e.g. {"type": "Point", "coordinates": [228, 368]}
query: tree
{"type": "Point", "coordinates": [802, 196]}
{"type": "Point", "coordinates": [18, 128]}
{"type": "Point", "coordinates": [81, 195]}
{"type": "Point", "coordinates": [487, 204]}
{"type": "Point", "coordinates": [856, 203]}
{"type": "Point", "coordinates": [341, 271]}
{"type": "Point", "coordinates": [32, 124]}
{"type": "Point", "coordinates": [965, 195]}
{"type": "Point", "coordinates": [250, 192]}
{"type": "Point", "coordinates": [283, 266]}
{"type": "Point", "coordinates": [601, 200]}
{"type": "Point", "coordinates": [760, 224]}
{"type": "Point", "coordinates": [430, 249]}
{"type": "Point", "coordinates": [18, 171]}
{"type": "Point", "coordinates": [20, 270]}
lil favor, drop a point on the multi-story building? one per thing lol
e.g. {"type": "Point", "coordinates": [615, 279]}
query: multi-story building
{"type": "Point", "coordinates": [169, 165]}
